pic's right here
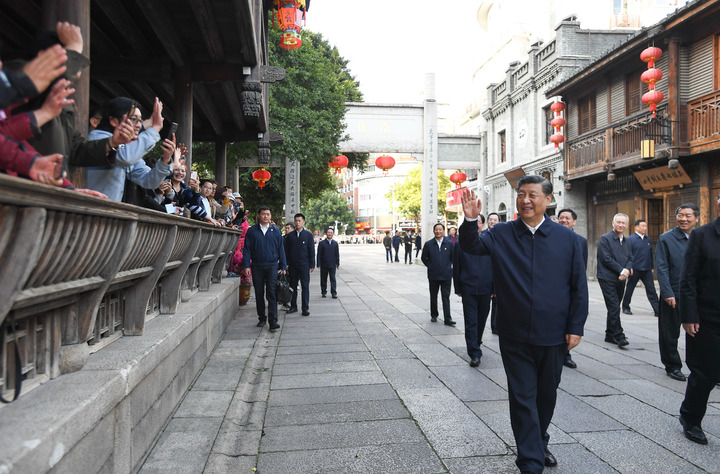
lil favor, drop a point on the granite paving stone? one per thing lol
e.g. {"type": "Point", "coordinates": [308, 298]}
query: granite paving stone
{"type": "Point", "coordinates": [304, 396]}
{"type": "Point", "coordinates": [334, 366]}
{"type": "Point", "coordinates": [469, 384]}
{"type": "Point", "coordinates": [172, 453]}
{"type": "Point", "coordinates": [316, 349]}
{"type": "Point", "coordinates": [326, 379]}
{"type": "Point", "coordinates": [408, 373]}
{"type": "Point", "coordinates": [204, 403]}
{"type": "Point", "coordinates": [335, 412]}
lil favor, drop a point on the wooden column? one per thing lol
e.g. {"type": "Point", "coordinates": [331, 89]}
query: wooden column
{"type": "Point", "coordinates": [674, 91]}
{"type": "Point", "coordinates": [183, 91]}
{"type": "Point", "coordinates": [221, 162]}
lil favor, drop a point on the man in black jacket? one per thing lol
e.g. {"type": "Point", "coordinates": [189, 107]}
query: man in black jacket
{"type": "Point", "coordinates": [700, 312]}
{"type": "Point", "coordinates": [328, 259]}
{"type": "Point", "coordinates": [408, 241]}
{"type": "Point", "coordinates": [614, 266]}
{"type": "Point", "coordinates": [437, 257]}
{"type": "Point", "coordinates": [669, 259]}
{"type": "Point", "coordinates": [300, 251]}
{"type": "Point", "coordinates": [642, 268]}
{"type": "Point", "coordinates": [396, 245]}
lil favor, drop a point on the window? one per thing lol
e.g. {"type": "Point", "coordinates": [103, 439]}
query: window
{"type": "Point", "coordinates": [549, 130]}
{"type": "Point", "coordinates": [587, 116]}
{"type": "Point", "coordinates": [633, 93]}
{"type": "Point", "coordinates": [501, 140]}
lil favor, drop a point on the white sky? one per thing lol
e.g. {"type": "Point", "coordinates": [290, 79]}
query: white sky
{"type": "Point", "coordinates": [391, 44]}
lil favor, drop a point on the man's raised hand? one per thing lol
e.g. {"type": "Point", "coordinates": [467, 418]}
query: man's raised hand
{"type": "Point", "coordinates": [471, 205]}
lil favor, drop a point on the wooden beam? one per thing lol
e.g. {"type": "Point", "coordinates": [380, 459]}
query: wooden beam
{"type": "Point", "coordinates": [132, 69]}
{"type": "Point", "coordinates": [234, 104]}
{"type": "Point", "coordinates": [208, 29]}
{"type": "Point", "coordinates": [246, 29]}
{"type": "Point", "coordinates": [207, 134]}
{"type": "Point", "coordinates": [183, 94]}
{"type": "Point", "coordinates": [208, 107]}
{"type": "Point", "coordinates": [156, 15]}
{"type": "Point", "coordinates": [217, 72]}
{"type": "Point", "coordinates": [126, 26]}
{"type": "Point", "coordinates": [221, 161]}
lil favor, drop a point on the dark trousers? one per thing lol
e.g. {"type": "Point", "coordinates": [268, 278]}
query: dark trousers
{"type": "Point", "coordinates": [533, 374]}
{"type": "Point", "coordinates": [303, 275]}
{"type": "Point", "coordinates": [648, 283]}
{"type": "Point", "coordinates": [264, 279]}
{"type": "Point", "coordinates": [703, 359]}
{"type": "Point", "coordinates": [493, 315]}
{"type": "Point", "coordinates": [388, 254]}
{"type": "Point", "coordinates": [475, 313]}
{"type": "Point", "coordinates": [444, 287]}
{"type": "Point", "coordinates": [612, 293]}
{"type": "Point", "coordinates": [397, 253]}
{"type": "Point", "coordinates": [408, 253]}
{"type": "Point", "coordinates": [324, 272]}
{"type": "Point", "coordinates": [417, 250]}
{"type": "Point", "coordinates": [668, 335]}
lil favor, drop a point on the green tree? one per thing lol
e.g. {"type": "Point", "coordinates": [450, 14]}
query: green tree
{"type": "Point", "coordinates": [409, 193]}
{"type": "Point", "coordinates": [308, 107]}
{"type": "Point", "coordinates": [327, 208]}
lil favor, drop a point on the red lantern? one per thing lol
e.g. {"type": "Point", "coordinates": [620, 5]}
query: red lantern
{"type": "Point", "coordinates": [557, 139]}
{"type": "Point", "coordinates": [652, 98]}
{"type": "Point", "coordinates": [385, 163]}
{"type": "Point", "coordinates": [458, 178]}
{"type": "Point", "coordinates": [290, 17]}
{"type": "Point", "coordinates": [557, 107]}
{"type": "Point", "coordinates": [261, 176]}
{"type": "Point", "coordinates": [651, 76]}
{"type": "Point", "coordinates": [650, 55]}
{"type": "Point", "coordinates": [338, 162]}
{"type": "Point", "coordinates": [557, 123]}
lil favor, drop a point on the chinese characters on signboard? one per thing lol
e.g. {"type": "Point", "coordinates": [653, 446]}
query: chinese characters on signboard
{"type": "Point", "coordinates": [662, 177]}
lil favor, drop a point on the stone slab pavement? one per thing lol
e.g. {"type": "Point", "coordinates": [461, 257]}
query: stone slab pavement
{"type": "Point", "coordinates": [367, 383]}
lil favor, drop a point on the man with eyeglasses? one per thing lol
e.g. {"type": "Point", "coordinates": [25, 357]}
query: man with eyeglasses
{"type": "Point", "coordinates": [700, 315]}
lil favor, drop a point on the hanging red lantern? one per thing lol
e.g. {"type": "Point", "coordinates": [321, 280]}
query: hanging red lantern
{"type": "Point", "coordinates": [261, 176]}
{"type": "Point", "coordinates": [652, 98]}
{"type": "Point", "coordinates": [385, 163]}
{"type": "Point", "coordinates": [557, 107]}
{"type": "Point", "coordinates": [557, 139]}
{"type": "Point", "coordinates": [458, 178]}
{"type": "Point", "coordinates": [338, 163]}
{"type": "Point", "coordinates": [651, 76]}
{"type": "Point", "coordinates": [557, 123]}
{"type": "Point", "coordinates": [290, 17]}
{"type": "Point", "coordinates": [650, 55]}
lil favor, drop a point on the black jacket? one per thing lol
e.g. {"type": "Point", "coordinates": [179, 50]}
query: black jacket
{"type": "Point", "coordinates": [700, 280]}
{"type": "Point", "coordinates": [328, 254]}
{"type": "Point", "coordinates": [438, 259]}
{"type": "Point", "coordinates": [669, 258]}
{"type": "Point", "coordinates": [300, 250]}
{"type": "Point", "coordinates": [612, 257]}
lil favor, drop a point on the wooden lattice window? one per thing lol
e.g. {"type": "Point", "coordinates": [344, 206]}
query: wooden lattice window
{"type": "Point", "coordinates": [633, 93]}
{"type": "Point", "coordinates": [549, 130]}
{"type": "Point", "coordinates": [501, 139]}
{"type": "Point", "coordinates": [587, 114]}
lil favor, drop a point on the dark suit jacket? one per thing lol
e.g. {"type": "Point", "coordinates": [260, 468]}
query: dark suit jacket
{"type": "Point", "coordinates": [540, 279]}
{"type": "Point", "coordinates": [300, 250]}
{"type": "Point", "coordinates": [583, 247]}
{"type": "Point", "coordinates": [700, 280]}
{"type": "Point", "coordinates": [418, 241]}
{"type": "Point", "coordinates": [642, 252]}
{"type": "Point", "coordinates": [328, 254]}
{"type": "Point", "coordinates": [669, 258]}
{"type": "Point", "coordinates": [472, 274]}
{"type": "Point", "coordinates": [396, 241]}
{"type": "Point", "coordinates": [438, 260]}
{"type": "Point", "coordinates": [612, 257]}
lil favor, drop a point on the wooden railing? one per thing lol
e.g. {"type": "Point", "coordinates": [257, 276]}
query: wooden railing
{"type": "Point", "coordinates": [586, 151]}
{"type": "Point", "coordinates": [704, 119]}
{"type": "Point", "coordinates": [78, 272]}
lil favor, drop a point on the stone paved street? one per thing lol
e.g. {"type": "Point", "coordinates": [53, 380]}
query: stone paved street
{"type": "Point", "coordinates": [367, 383]}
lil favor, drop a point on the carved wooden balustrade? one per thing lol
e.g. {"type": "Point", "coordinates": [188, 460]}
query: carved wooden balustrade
{"type": "Point", "coordinates": [704, 120]}
{"type": "Point", "coordinates": [78, 272]}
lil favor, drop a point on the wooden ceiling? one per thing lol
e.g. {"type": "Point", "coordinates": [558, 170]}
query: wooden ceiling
{"type": "Point", "coordinates": [139, 47]}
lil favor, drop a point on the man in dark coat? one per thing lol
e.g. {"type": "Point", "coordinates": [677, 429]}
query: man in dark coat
{"type": "Point", "coordinates": [700, 313]}
{"type": "Point", "coordinates": [407, 240]}
{"type": "Point", "coordinates": [328, 259]}
{"type": "Point", "coordinates": [614, 266]}
{"type": "Point", "coordinates": [418, 243]}
{"type": "Point", "coordinates": [437, 257]}
{"type": "Point", "coordinates": [568, 218]}
{"type": "Point", "coordinates": [473, 278]}
{"type": "Point", "coordinates": [669, 259]}
{"type": "Point", "coordinates": [542, 295]}
{"type": "Point", "coordinates": [263, 251]}
{"type": "Point", "coordinates": [387, 243]}
{"type": "Point", "coordinates": [300, 250]}
{"type": "Point", "coordinates": [396, 245]}
{"type": "Point", "coordinates": [642, 268]}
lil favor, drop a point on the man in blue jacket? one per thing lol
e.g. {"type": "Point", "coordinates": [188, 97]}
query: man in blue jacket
{"type": "Point", "coordinates": [642, 268]}
{"type": "Point", "coordinates": [263, 252]}
{"type": "Point", "coordinates": [669, 259]}
{"type": "Point", "coordinates": [473, 280]}
{"type": "Point", "coordinates": [328, 259]}
{"type": "Point", "coordinates": [300, 250]}
{"type": "Point", "coordinates": [437, 257]}
{"type": "Point", "coordinates": [542, 296]}
{"type": "Point", "coordinates": [396, 240]}
{"type": "Point", "coordinates": [614, 267]}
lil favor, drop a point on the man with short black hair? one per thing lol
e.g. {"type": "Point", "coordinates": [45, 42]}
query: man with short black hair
{"type": "Point", "coordinates": [300, 250]}
{"type": "Point", "coordinates": [437, 257]}
{"type": "Point", "coordinates": [492, 219]}
{"type": "Point", "coordinates": [396, 240]}
{"type": "Point", "coordinates": [669, 259]}
{"type": "Point", "coordinates": [328, 259]}
{"type": "Point", "coordinates": [387, 243]}
{"type": "Point", "coordinates": [642, 268]}
{"type": "Point", "coordinates": [263, 251]}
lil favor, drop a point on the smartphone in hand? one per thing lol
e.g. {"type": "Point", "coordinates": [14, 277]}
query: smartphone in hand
{"type": "Point", "coordinates": [194, 175]}
{"type": "Point", "coordinates": [171, 130]}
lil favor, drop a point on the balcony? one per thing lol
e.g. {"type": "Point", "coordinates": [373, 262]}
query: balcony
{"type": "Point", "coordinates": [79, 272]}
{"type": "Point", "coordinates": [704, 123]}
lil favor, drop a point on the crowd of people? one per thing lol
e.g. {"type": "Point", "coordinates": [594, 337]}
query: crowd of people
{"type": "Point", "coordinates": [39, 138]}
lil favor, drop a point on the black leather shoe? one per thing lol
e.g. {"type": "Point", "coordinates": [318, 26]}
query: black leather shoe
{"type": "Point", "coordinates": [550, 460]}
{"type": "Point", "coordinates": [693, 433]}
{"type": "Point", "coordinates": [677, 375]}
{"type": "Point", "coordinates": [569, 363]}
{"type": "Point", "coordinates": [324, 295]}
{"type": "Point", "coordinates": [334, 297]}
{"type": "Point", "coordinates": [305, 312]}
{"type": "Point", "coordinates": [292, 310]}
{"type": "Point", "coordinates": [610, 339]}
{"type": "Point", "coordinates": [274, 326]}
{"type": "Point", "coordinates": [450, 322]}
{"type": "Point", "coordinates": [286, 305]}
{"type": "Point", "coordinates": [260, 323]}
{"type": "Point", "coordinates": [475, 361]}
{"type": "Point", "coordinates": [622, 342]}
{"type": "Point", "coordinates": [627, 311]}
{"type": "Point", "coordinates": [433, 319]}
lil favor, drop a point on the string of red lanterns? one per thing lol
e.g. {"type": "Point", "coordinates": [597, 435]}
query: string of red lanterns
{"type": "Point", "coordinates": [261, 176]}
{"type": "Point", "coordinates": [338, 163]}
{"type": "Point", "coordinates": [652, 97]}
{"type": "Point", "coordinates": [385, 163]}
{"type": "Point", "coordinates": [291, 18]}
{"type": "Point", "coordinates": [558, 122]}
{"type": "Point", "coordinates": [458, 178]}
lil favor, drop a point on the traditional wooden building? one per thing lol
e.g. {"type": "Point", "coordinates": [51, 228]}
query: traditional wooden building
{"type": "Point", "coordinates": [607, 125]}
